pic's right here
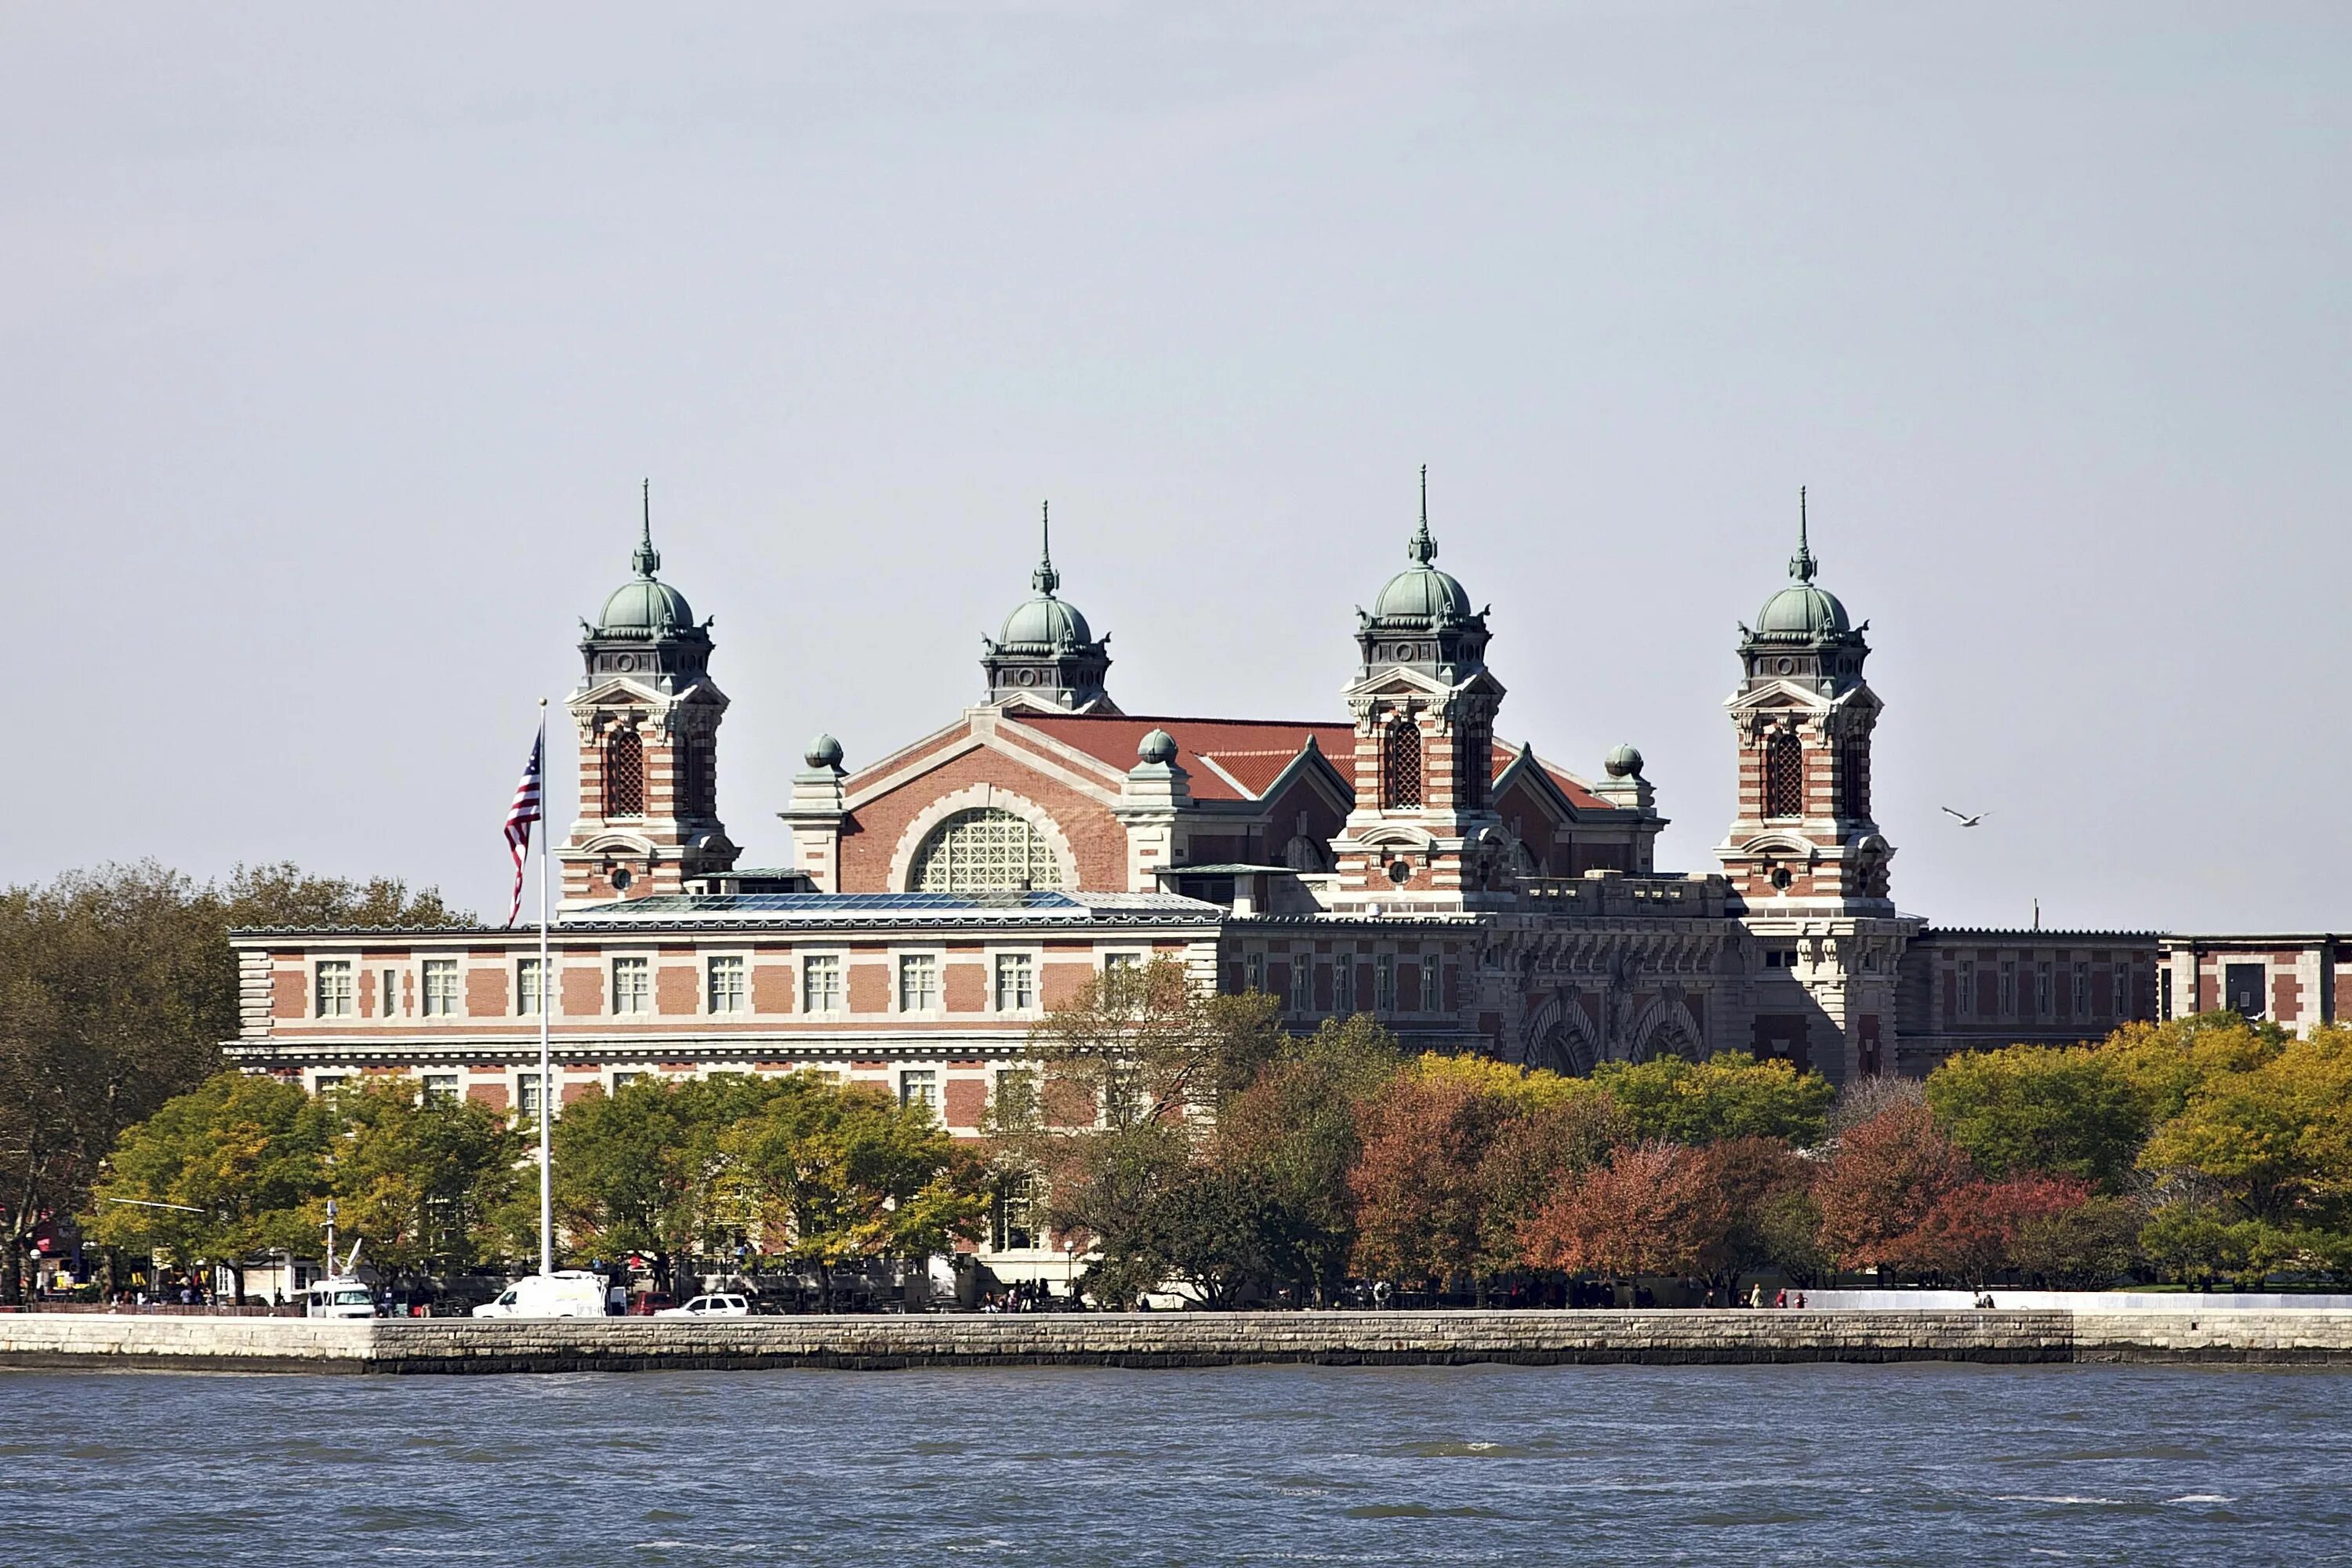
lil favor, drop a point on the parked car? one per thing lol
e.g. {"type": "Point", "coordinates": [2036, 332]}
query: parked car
{"type": "Point", "coordinates": [339, 1299]}
{"type": "Point", "coordinates": [722, 1306]}
{"type": "Point", "coordinates": [566, 1293]}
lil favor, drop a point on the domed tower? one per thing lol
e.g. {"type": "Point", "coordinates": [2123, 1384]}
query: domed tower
{"type": "Point", "coordinates": [648, 722]}
{"type": "Point", "coordinates": [1423, 705]}
{"type": "Point", "coordinates": [1804, 841]}
{"type": "Point", "coordinates": [1047, 655]}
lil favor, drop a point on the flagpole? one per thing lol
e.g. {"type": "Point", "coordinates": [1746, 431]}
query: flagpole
{"type": "Point", "coordinates": [546, 1008]}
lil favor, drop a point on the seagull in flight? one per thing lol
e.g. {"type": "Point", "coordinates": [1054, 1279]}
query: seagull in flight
{"type": "Point", "coordinates": [1964, 820]}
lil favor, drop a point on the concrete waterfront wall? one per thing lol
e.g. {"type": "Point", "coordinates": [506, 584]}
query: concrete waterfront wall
{"type": "Point", "coordinates": [1172, 1340]}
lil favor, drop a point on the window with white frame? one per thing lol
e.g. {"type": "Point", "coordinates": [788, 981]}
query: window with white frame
{"type": "Point", "coordinates": [529, 991]}
{"type": "Point", "coordinates": [439, 986]}
{"type": "Point", "coordinates": [1302, 982]}
{"type": "Point", "coordinates": [985, 849]}
{"type": "Point", "coordinates": [439, 1089]}
{"type": "Point", "coordinates": [632, 985]}
{"type": "Point", "coordinates": [820, 984]}
{"type": "Point", "coordinates": [1016, 981]}
{"type": "Point", "coordinates": [723, 985]}
{"type": "Point", "coordinates": [1254, 969]}
{"type": "Point", "coordinates": [1430, 1002]}
{"type": "Point", "coordinates": [1015, 1227]}
{"type": "Point", "coordinates": [527, 1095]}
{"type": "Point", "coordinates": [1384, 983]}
{"type": "Point", "coordinates": [1015, 1094]}
{"type": "Point", "coordinates": [388, 997]}
{"type": "Point", "coordinates": [919, 982]}
{"type": "Point", "coordinates": [920, 1087]}
{"type": "Point", "coordinates": [329, 1082]}
{"type": "Point", "coordinates": [623, 1078]}
{"type": "Point", "coordinates": [334, 989]}
{"type": "Point", "coordinates": [1122, 960]}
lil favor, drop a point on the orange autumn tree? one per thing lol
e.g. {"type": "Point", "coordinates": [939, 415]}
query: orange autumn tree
{"type": "Point", "coordinates": [1885, 1177]}
{"type": "Point", "coordinates": [1651, 1210]}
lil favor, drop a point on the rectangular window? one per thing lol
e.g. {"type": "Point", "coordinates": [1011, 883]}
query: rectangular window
{"type": "Point", "coordinates": [328, 1082]}
{"type": "Point", "coordinates": [2122, 991]}
{"type": "Point", "coordinates": [919, 982]}
{"type": "Point", "coordinates": [527, 1094]}
{"type": "Point", "coordinates": [2241, 989]}
{"type": "Point", "coordinates": [821, 985]}
{"type": "Point", "coordinates": [528, 989]}
{"type": "Point", "coordinates": [2081, 997]}
{"type": "Point", "coordinates": [1429, 999]}
{"type": "Point", "coordinates": [1016, 981]}
{"type": "Point", "coordinates": [1302, 982]}
{"type": "Point", "coordinates": [440, 1089]}
{"type": "Point", "coordinates": [2041, 989]}
{"type": "Point", "coordinates": [388, 998]}
{"type": "Point", "coordinates": [1015, 1094]}
{"type": "Point", "coordinates": [2009, 988]}
{"type": "Point", "coordinates": [2163, 990]}
{"type": "Point", "coordinates": [1015, 1227]}
{"type": "Point", "coordinates": [1343, 985]}
{"type": "Point", "coordinates": [334, 990]}
{"type": "Point", "coordinates": [725, 989]}
{"type": "Point", "coordinates": [632, 985]}
{"type": "Point", "coordinates": [1121, 960]}
{"type": "Point", "coordinates": [920, 1087]}
{"type": "Point", "coordinates": [440, 987]}
{"type": "Point", "coordinates": [1968, 988]}
{"type": "Point", "coordinates": [1254, 966]}
{"type": "Point", "coordinates": [624, 1078]}
{"type": "Point", "coordinates": [1384, 983]}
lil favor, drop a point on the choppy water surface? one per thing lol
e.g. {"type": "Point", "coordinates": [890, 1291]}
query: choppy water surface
{"type": "Point", "coordinates": [1602, 1465]}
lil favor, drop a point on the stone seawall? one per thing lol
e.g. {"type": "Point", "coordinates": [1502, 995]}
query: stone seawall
{"type": "Point", "coordinates": [1172, 1340]}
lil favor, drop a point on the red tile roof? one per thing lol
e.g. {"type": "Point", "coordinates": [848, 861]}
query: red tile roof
{"type": "Point", "coordinates": [1223, 754]}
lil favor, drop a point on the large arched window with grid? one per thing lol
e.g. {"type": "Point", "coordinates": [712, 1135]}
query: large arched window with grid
{"type": "Point", "coordinates": [625, 775]}
{"type": "Point", "coordinates": [1784, 776]}
{"type": "Point", "coordinates": [984, 850]}
{"type": "Point", "coordinates": [1400, 763]}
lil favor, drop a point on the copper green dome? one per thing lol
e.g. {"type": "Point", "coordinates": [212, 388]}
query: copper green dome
{"type": "Point", "coordinates": [1043, 622]}
{"type": "Point", "coordinates": [1802, 612]}
{"type": "Point", "coordinates": [1421, 594]}
{"type": "Point", "coordinates": [645, 607]}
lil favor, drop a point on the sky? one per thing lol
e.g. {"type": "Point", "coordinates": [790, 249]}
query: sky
{"type": "Point", "coordinates": [339, 340]}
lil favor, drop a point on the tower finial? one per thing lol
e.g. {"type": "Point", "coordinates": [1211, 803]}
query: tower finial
{"type": "Point", "coordinates": [1802, 565]}
{"type": "Point", "coordinates": [647, 560]}
{"type": "Point", "coordinates": [1045, 579]}
{"type": "Point", "coordinates": [1423, 548]}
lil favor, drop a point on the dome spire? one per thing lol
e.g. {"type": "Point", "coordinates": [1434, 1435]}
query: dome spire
{"type": "Point", "coordinates": [1802, 565]}
{"type": "Point", "coordinates": [647, 560]}
{"type": "Point", "coordinates": [1045, 579]}
{"type": "Point", "coordinates": [1423, 548]}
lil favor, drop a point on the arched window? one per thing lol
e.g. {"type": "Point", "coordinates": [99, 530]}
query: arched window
{"type": "Point", "coordinates": [1784, 776]}
{"type": "Point", "coordinates": [1853, 776]}
{"type": "Point", "coordinates": [1400, 764]}
{"type": "Point", "coordinates": [625, 775]}
{"type": "Point", "coordinates": [983, 850]}
{"type": "Point", "coordinates": [1477, 747]}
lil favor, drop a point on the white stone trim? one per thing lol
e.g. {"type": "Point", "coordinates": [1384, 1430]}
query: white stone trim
{"type": "Point", "coordinates": [975, 797]}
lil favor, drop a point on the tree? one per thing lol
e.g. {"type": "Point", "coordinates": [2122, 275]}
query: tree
{"type": "Point", "coordinates": [1768, 1215]}
{"type": "Point", "coordinates": [639, 1171]}
{"type": "Point", "coordinates": [1143, 1043]}
{"type": "Point", "coordinates": [1730, 1095]}
{"type": "Point", "coordinates": [2072, 1112]}
{"type": "Point", "coordinates": [2079, 1248]}
{"type": "Point", "coordinates": [1293, 1135]}
{"type": "Point", "coordinates": [845, 1175]}
{"type": "Point", "coordinates": [423, 1179]}
{"type": "Point", "coordinates": [1418, 1196]}
{"type": "Point", "coordinates": [233, 1168]}
{"type": "Point", "coordinates": [1650, 1210]}
{"type": "Point", "coordinates": [1880, 1182]}
{"type": "Point", "coordinates": [1970, 1233]}
{"type": "Point", "coordinates": [117, 986]}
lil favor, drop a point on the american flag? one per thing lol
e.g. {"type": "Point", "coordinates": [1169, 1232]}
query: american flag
{"type": "Point", "coordinates": [520, 816]}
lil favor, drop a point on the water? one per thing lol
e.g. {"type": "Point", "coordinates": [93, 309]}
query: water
{"type": "Point", "coordinates": [1917, 1464]}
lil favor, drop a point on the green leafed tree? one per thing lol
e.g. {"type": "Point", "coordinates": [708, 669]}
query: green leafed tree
{"type": "Point", "coordinates": [231, 1169]}
{"type": "Point", "coordinates": [424, 1179]}
{"type": "Point", "coordinates": [1731, 1095]}
{"type": "Point", "coordinates": [2074, 1113]}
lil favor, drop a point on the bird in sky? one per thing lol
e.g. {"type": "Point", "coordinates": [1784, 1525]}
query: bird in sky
{"type": "Point", "coordinates": [1964, 820]}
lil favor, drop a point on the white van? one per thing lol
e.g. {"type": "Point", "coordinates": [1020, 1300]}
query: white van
{"type": "Point", "coordinates": [339, 1299]}
{"type": "Point", "coordinates": [566, 1293]}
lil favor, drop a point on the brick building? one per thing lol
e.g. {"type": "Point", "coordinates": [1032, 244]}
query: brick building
{"type": "Point", "coordinates": [1393, 856]}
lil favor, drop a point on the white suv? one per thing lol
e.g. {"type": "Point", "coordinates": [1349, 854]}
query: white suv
{"type": "Point", "coordinates": [710, 1306]}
